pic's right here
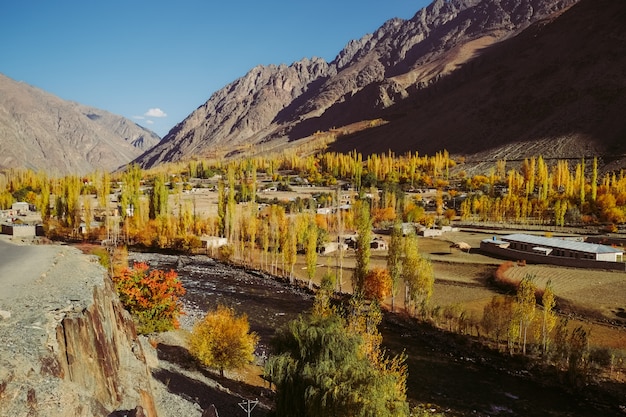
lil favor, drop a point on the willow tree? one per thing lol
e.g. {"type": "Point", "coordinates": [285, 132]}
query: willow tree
{"type": "Point", "coordinates": [319, 369]}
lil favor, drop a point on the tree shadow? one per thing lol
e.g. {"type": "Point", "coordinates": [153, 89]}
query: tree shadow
{"type": "Point", "coordinates": [225, 399]}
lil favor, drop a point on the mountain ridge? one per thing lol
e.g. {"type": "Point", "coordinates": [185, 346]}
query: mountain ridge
{"type": "Point", "coordinates": [41, 131]}
{"type": "Point", "coordinates": [369, 75]}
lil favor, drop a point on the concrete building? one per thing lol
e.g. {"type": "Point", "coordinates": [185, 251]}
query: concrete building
{"type": "Point", "coordinates": [565, 252]}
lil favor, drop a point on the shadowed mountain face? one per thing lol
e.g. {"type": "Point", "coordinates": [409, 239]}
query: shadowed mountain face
{"type": "Point", "coordinates": [43, 132]}
{"type": "Point", "coordinates": [486, 79]}
{"type": "Point", "coordinates": [557, 89]}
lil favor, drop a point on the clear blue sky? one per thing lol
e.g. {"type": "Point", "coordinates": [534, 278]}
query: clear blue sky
{"type": "Point", "coordinates": [157, 61]}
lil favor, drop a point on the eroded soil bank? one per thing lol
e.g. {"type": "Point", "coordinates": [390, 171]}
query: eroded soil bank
{"type": "Point", "coordinates": [448, 372]}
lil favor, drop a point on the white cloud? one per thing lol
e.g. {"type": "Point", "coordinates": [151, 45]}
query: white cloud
{"type": "Point", "coordinates": [149, 122]}
{"type": "Point", "coordinates": [155, 112]}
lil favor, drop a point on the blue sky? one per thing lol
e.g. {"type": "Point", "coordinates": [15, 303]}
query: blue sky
{"type": "Point", "coordinates": [157, 61]}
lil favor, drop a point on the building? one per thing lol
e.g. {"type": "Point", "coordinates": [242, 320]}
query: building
{"type": "Point", "coordinates": [559, 251]}
{"type": "Point", "coordinates": [213, 242]}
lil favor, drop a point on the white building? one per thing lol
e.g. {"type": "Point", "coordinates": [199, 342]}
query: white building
{"type": "Point", "coordinates": [562, 248]}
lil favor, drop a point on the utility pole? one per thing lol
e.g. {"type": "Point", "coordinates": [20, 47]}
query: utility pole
{"type": "Point", "coordinates": [248, 406]}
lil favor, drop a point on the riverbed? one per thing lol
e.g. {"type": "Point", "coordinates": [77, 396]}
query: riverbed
{"type": "Point", "coordinates": [449, 373]}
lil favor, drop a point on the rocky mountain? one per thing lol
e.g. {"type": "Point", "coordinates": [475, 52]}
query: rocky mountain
{"type": "Point", "coordinates": [482, 78]}
{"type": "Point", "coordinates": [41, 131]}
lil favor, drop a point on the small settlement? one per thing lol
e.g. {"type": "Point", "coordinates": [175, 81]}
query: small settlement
{"type": "Point", "coordinates": [21, 221]}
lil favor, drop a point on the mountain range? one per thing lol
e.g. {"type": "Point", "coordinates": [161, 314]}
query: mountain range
{"type": "Point", "coordinates": [41, 131]}
{"type": "Point", "coordinates": [482, 79]}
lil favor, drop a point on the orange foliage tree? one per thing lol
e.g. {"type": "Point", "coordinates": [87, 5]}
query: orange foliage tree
{"type": "Point", "coordinates": [377, 284]}
{"type": "Point", "coordinates": [152, 297]}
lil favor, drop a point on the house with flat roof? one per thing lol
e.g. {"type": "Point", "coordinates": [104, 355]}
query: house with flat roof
{"type": "Point", "coordinates": [560, 251]}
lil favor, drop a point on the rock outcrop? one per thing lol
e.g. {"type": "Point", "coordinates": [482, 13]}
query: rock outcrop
{"type": "Point", "coordinates": [67, 346]}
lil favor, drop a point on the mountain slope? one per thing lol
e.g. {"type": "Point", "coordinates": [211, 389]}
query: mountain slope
{"type": "Point", "coordinates": [276, 104]}
{"type": "Point", "coordinates": [43, 132]}
{"type": "Point", "coordinates": [556, 89]}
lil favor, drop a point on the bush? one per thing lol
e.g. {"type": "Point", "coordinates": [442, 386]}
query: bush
{"type": "Point", "coordinates": [222, 340]}
{"type": "Point", "coordinates": [151, 297]}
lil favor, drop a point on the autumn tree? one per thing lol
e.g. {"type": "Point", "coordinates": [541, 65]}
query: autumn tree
{"type": "Point", "coordinates": [152, 297]}
{"type": "Point", "coordinates": [548, 316]}
{"type": "Point", "coordinates": [221, 208]}
{"type": "Point", "coordinates": [377, 284]}
{"type": "Point", "coordinates": [418, 276]}
{"type": "Point", "coordinates": [525, 307]}
{"type": "Point", "coordinates": [497, 316]}
{"type": "Point", "coordinates": [223, 340]}
{"type": "Point", "coordinates": [394, 260]}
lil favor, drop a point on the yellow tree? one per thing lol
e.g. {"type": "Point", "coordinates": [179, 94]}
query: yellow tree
{"type": "Point", "coordinates": [526, 307]}
{"type": "Point", "coordinates": [418, 276]}
{"type": "Point", "coordinates": [222, 340]}
{"type": "Point", "coordinates": [548, 317]}
{"type": "Point", "coordinates": [310, 249]}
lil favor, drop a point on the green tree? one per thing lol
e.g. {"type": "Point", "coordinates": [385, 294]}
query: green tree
{"type": "Point", "coordinates": [158, 198]}
{"type": "Point", "coordinates": [222, 340]}
{"type": "Point", "coordinates": [230, 205]}
{"type": "Point", "coordinates": [578, 354]}
{"type": "Point", "coordinates": [364, 238]}
{"type": "Point", "coordinates": [311, 250]}
{"type": "Point", "coordinates": [394, 260]}
{"type": "Point", "coordinates": [319, 370]}
{"type": "Point", "coordinates": [129, 200]}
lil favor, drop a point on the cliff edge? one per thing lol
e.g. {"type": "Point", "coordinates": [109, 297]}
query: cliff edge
{"type": "Point", "coordinates": [67, 346]}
